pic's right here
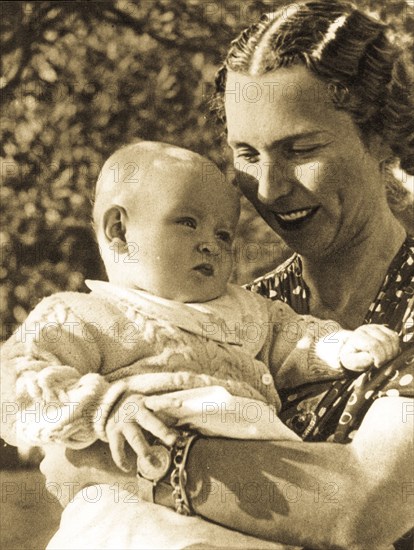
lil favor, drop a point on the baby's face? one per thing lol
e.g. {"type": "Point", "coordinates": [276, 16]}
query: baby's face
{"type": "Point", "coordinates": [180, 231]}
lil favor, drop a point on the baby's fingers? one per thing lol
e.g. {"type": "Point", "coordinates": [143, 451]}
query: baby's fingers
{"type": "Point", "coordinates": [357, 361]}
{"type": "Point", "coordinates": [381, 342]}
{"type": "Point", "coordinates": [390, 343]}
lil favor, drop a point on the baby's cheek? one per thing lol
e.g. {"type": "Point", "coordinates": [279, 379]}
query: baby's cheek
{"type": "Point", "coordinates": [226, 266]}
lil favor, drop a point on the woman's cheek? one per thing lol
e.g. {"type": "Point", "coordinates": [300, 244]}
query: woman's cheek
{"type": "Point", "coordinates": [308, 174]}
{"type": "Point", "coordinates": [318, 175]}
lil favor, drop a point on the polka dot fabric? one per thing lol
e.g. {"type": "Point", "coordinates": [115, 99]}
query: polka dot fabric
{"type": "Point", "coordinates": [334, 410]}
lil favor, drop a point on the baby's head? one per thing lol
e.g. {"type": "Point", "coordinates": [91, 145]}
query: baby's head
{"type": "Point", "coordinates": [165, 220]}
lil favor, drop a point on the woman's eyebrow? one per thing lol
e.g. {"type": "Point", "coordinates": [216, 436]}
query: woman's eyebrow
{"type": "Point", "coordinates": [304, 135]}
{"type": "Point", "coordinates": [285, 139]}
{"type": "Point", "coordinates": [236, 144]}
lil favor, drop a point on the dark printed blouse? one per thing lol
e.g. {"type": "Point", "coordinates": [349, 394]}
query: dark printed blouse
{"type": "Point", "coordinates": [321, 410]}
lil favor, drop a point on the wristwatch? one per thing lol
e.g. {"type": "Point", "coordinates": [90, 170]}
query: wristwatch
{"type": "Point", "coordinates": [167, 467]}
{"type": "Point", "coordinates": [152, 471]}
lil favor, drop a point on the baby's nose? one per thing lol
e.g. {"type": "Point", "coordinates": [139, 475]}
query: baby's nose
{"type": "Point", "coordinates": [209, 248]}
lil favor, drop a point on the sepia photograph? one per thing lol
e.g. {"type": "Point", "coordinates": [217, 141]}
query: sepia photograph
{"type": "Point", "coordinates": [207, 275]}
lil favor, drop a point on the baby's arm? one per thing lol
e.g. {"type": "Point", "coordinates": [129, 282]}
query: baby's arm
{"type": "Point", "coordinates": [51, 386]}
{"type": "Point", "coordinates": [304, 344]}
{"type": "Point", "coordinates": [368, 345]}
{"type": "Point", "coordinates": [52, 389]}
{"type": "Point", "coordinates": [358, 349]}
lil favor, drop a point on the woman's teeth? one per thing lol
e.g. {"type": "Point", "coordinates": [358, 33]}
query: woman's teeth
{"type": "Point", "coordinates": [295, 216]}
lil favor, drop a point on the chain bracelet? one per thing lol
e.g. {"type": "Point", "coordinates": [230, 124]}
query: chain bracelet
{"type": "Point", "coordinates": [178, 478]}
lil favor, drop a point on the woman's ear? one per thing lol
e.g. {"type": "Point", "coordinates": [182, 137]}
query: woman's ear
{"type": "Point", "coordinates": [114, 224]}
{"type": "Point", "coordinates": [378, 149]}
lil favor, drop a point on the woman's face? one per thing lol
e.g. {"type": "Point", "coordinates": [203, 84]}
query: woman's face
{"type": "Point", "coordinates": [301, 162]}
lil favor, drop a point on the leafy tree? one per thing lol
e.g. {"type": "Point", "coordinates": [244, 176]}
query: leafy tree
{"type": "Point", "coordinates": [83, 78]}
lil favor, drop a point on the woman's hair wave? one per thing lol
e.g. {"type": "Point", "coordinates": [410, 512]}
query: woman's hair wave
{"type": "Point", "coordinates": [367, 73]}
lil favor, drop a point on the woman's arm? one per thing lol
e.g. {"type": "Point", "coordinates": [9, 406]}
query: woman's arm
{"type": "Point", "coordinates": [324, 495]}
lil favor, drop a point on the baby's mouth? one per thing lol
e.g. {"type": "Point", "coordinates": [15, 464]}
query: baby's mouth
{"type": "Point", "coordinates": [295, 218]}
{"type": "Point", "coordinates": [205, 269]}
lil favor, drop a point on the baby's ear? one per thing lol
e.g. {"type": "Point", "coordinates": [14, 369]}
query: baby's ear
{"type": "Point", "coordinates": [114, 223]}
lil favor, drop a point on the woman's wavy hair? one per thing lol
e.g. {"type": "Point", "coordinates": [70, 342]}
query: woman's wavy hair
{"type": "Point", "coordinates": [368, 75]}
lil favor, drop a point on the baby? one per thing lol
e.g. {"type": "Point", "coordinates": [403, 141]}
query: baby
{"type": "Point", "coordinates": [168, 332]}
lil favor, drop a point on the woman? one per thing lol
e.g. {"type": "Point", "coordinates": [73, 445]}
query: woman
{"type": "Point", "coordinates": [318, 108]}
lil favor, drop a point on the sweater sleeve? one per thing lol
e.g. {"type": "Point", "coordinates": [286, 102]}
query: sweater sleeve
{"type": "Point", "coordinates": [303, 348]}
{"type": "Point", "coordinates": [51, 386]}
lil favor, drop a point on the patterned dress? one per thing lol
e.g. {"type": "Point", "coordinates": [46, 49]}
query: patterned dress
{"type": "Point", "coordinates": [333, 410]}
{"type": "Point", "coordinates": [321, 410]}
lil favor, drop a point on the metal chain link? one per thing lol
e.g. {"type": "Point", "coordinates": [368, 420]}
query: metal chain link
{"type": "Point", "coordinates": [178, 478]}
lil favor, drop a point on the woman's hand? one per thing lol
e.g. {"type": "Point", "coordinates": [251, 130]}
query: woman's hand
{"type": "Point", "coordinates": [125, 424]}
{"type": "Point", "coordinates": [213, 411]}
{"type": "Point", "coordinates": [369, 345]}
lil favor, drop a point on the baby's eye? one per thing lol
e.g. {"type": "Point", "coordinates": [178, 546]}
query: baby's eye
{"type": "Point", "coordinates": [224, 236]}
{"type": "Point", "coordinates": [188, 222]}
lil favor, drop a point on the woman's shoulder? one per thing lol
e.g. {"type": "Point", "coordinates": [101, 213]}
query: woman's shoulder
{"type": "Point", "coordinates": [393, 304]}
{"type": "Point", "coordinates": [268, 284]}
{"type": "Point", "coordinates": [409, 241]}
{"type": "Point", "coordinates": [404, 259]}
{"type": "Point", "coordinates": [285, 283]}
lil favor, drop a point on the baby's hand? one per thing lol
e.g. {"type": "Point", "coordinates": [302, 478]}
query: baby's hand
{"type": "Point", "coordinates": [125, 424]}
{"type": "Point", "coordinates": [369, 345]}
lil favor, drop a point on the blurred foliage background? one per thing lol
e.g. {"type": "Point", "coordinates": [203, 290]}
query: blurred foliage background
{"type": "Point", "coordinates": [81, 79]}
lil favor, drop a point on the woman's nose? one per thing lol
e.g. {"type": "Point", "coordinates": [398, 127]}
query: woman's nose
{"type": "Point", "coordinates": [273, 183]}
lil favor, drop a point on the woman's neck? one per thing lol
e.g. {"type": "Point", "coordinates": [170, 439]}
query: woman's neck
{"type": "Point", "coordinates": [343, 285]}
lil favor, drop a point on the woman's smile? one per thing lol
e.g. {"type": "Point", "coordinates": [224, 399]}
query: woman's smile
{"type": "Point", "coordinates": [295, 219]}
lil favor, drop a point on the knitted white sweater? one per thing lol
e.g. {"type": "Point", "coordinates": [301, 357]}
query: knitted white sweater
{"type": "Point", "coordinates": [65, 367]}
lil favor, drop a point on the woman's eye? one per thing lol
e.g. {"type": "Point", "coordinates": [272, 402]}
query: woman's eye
{"type": "Point", "coordinates": [298, 151]}
{"type": "Point", "coordinates": [224, 236]}
{"type": "Point", "coordinates": [248, 156]}
{"type": "Point", "coordinates": [188, 222]}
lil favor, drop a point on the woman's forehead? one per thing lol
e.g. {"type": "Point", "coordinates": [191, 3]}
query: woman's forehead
{"type": "Point", "coordinates": [286, 102]}
{"type": "Point", "coordinates": [284, 82]}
